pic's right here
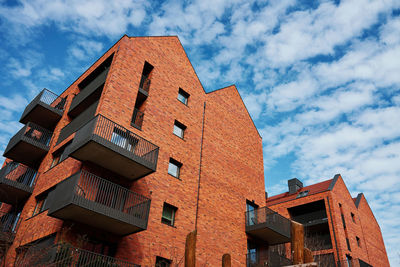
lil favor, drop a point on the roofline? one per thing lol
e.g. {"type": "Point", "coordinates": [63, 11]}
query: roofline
{"type": "Point", "coordinates": [335, 178]}
{"type": "Point", "coordinates": [248, 113]}
{"type": "Point", "coordinates": [266, 204]}
{"type": "Point", "coordinates": [358, 199]}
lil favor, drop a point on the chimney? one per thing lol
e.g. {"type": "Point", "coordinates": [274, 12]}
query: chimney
{"type": "Point", "coordinates": [294, 185]}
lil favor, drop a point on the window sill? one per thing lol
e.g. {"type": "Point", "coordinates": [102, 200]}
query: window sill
{"type": "Point", "coordinates": [175, 177]}
{"type": "Point", "coordinates": [173, 226]}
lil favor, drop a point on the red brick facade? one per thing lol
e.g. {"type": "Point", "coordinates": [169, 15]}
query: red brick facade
{"type": "Point", "coordinates": [359, 227]}
{"type": "Point", "coordinates": [221, 156]}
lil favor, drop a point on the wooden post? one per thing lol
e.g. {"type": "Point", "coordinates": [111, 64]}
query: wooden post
{"type": "Point", "coordinates": [190, 249]}
{"type": "Point", "coordinates": [297, 244]}
{"type": "Point", "coordinates": [308, 257]}
{"type": "Point", "coordinates": [226, 260]}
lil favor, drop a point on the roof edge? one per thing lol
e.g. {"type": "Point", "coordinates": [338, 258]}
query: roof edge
{"type": "Point", "coordinates": [334, 180]}
{"type": "Point", "coordinates": [358, 199]}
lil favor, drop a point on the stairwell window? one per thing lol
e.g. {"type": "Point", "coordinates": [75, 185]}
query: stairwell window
{"type": "Point", "coordinates": [174, 167]}
{"type": "Point", "coordinates": [183, 96]}
{"type": "Point", "coordinates": [179, 129]}
{"type": "Point", "coordinates": [168, 214]}
{"type": "Point", "coordinates": [163, 262]}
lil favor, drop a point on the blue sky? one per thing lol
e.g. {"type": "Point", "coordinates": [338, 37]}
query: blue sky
{"type": "Point", "coordinates": [321, 79]}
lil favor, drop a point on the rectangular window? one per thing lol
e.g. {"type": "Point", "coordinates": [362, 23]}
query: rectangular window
{"type": "Point", "coordinates": [183, 96]}
{"type": "Point", "coordinates": [251, 208]}
{"type": "Point", "coordinates": [42, 202]}
{"type": "Point", "coordinates": [358, 241]}
{"type": "Point", "coordinates": [353, 218]}
{"type": "Point", "coordinates": [123, 139]}
{"type": "Point", "coordinates": [162, 262]}
{"type": "Point", "coordinates": [179, 129]}
{"type": "Point", "coordinates": [168, 214]}
{"type": "Point", "coordinates": [61, 154]}
{"type": "Point", "coordinates": [343, 221]}
{"type": "Point", "coordinates": [174, 167]}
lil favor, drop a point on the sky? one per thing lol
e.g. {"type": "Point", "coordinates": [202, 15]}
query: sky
{"type": "Point", "coordinates": [321, 79]}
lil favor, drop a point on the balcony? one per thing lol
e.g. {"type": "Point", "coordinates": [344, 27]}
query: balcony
{"type": "Point", "coordinates": [89, 199]}
{"type": "Point", "coordinates": [352, 263]}
{"type": "Point", "coordinates": [29, 145]}
{"type": "Point", "coordinates": [16, 183]}
{"type": "Point", "coordinates": [267, 258]}
{"type": "Point", "coordinates": [89, 94]}
{"type": "Point", "coordinates": [137, 119]}
{"type": "Point", "coordinates": [105, 143]}
{"type": "Point", "coordinates": [267, 225]}
{"type": "Point", "coordinates": [9, 223]}
{"type": "Point", "coordinates": [45, 110]}
{"type": "Point", "coordinates": [311, 218]}
{"type": "Point", "coordinates": [63, 254]}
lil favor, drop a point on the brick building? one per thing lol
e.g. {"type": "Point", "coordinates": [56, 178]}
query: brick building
{"type": "Point", "coordinates": [339, 229]}
{"type": "Point", "coordinates": [128, 160]}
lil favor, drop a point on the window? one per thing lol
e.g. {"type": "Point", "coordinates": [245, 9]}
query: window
{"type": "Point", "coordinates": [348, 260]}
{"type": "Point", "coordinates": [343, 221]}
{"type": "Point", "coordinates": [183, 96]}
{"type": "Point", "coordinates": [163, 262]}
{"type": "Point", "coordinates": [179, 129]}
{"type": "Point", "coordinates": [42, 202]}
{"type": "Point", "coordinates": [302, 194]}
{"type": "Point", "coordinates": [174, 167]}
{"type": "Point", "coordinates": [348, 244]}
{"type": "Point", "coordinates": [123, 139]}
{"type": "Point", "coordinates": [251, 212]}
{"type": "Point", "coordinates": [352, 217]}
{"type": "Point", "coordinates": [168, 214]}
{"type": "Point", "coordinates": [60, 155]}
{"type": "Point", "coordinates": [358, 241]}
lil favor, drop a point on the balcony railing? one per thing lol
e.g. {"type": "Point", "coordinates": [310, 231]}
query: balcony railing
{"type": "Point", "coordinates": [67, 255]}
{"type": "Point", "coordinates": [29, 145]}
{"type": "Point", "coordinates": [267, 258]}
{"type": "Point", "coordinates": [311, 218]}
{"type": "Point", "coordinates": [16, 183]}
{"type": "Point", "coordinates": [268, 225]}
{"type": "Point", "coordinates": [137, 118]}
{"type": "Point", "coordinates": [88, 95]}
{"type": "Point", "coordinates": [9, 223]}
{"type": "Point", "coordinates": [112, 146]}
{"type": "Point", "coordinates": [89, 199]}
{"type": "Point", "coordinates": [45, 109]}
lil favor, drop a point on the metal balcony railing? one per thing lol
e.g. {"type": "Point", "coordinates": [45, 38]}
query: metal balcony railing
{"type": "Point", "coordinates": [9, 223]}
{"type": "Point", "coordinates": [108, 200]}
{"type": "Point", "coordinates": [49, 103]}
{"type": "Point", "coordinates": [117, 148]}
{"type": "Point", "coordinates": [268, 224]}
{"type": "Point", "coordinates": [29, 145]}
{"type": "Point", "coordinates": [137, 118]}
{"type": "Point", "coordinates": [16, 182]}
{"type": "Point", "coordinates": [67, 255]}
{"type": "Point", "coordinates": [266, 258]}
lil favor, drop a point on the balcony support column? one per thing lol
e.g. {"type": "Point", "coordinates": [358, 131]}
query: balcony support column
{"type": "Point", "coordinates": [297, 244]}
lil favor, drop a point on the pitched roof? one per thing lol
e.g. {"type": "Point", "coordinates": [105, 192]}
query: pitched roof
{"type": "Point", "coordinates": [312, 189]}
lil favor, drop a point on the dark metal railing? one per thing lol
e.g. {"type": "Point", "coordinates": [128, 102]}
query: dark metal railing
{"type": "Point", "coordinates": [314, 217]}
{"type": "Point", "coordinates": [102, 192]}
{"type": "Point", "coordinates": [325, 260]}
{"type": "Point", "coordinates": [67, 255]}
{"type": "Point", "coordinates": [137, 118]}
{"type": "Point", "coordinates": [31, 133]}
{"type": "Point", "coordinates": [266, 258]}
{"type": "Point", "coordinates": [272, 219]}
{"type": "Point", "coordinates": [48, 98]}
{"type": "Point", "coordinates": [115, 135]}
{"type": "Point", "coordinates": [15, 173]}
{"type": "Point", "coordinates": [9, 223]}
{"type": "Point", "coordinates": [145, 83]}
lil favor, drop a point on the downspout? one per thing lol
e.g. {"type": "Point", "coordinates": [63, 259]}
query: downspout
{"type": "Point", "coordinates": [201, 157]}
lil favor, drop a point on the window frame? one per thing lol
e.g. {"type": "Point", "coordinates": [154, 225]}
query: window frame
{"type": "Point", "coordinates": [181, 127]}
{"type": "Point", "coordinates": [163, 262]}
{"type": "Point", "coordinates": [169, 221]}
{"type": "Point", "coordinates": [185, 95]}
{"type": "Point", "coordinates": [178, 165]}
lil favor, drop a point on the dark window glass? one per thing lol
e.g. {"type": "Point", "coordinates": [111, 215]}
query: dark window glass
{"type": "Point", "coordinates": [163, 262]}
{"type": "Point", "coordinates": [168, 214]}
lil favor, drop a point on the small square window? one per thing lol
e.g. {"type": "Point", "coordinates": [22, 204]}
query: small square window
{"type": "Point", "coordinates": [352, 217]}
{"type": "Point", "coordinates": [183, 96]}
{"type": "Point", "coordinates": [174, 167]}
{"type": "Point", "coordinates": [168, 214]}
{"type": "Point", "coordinates": [163, 262]}
{"type": "Point", "coordinates": [302, 194]}
{"type": "Point", "coordinates": [179, 129]}
{"type": "Point", "coordinates": [358, 241]}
